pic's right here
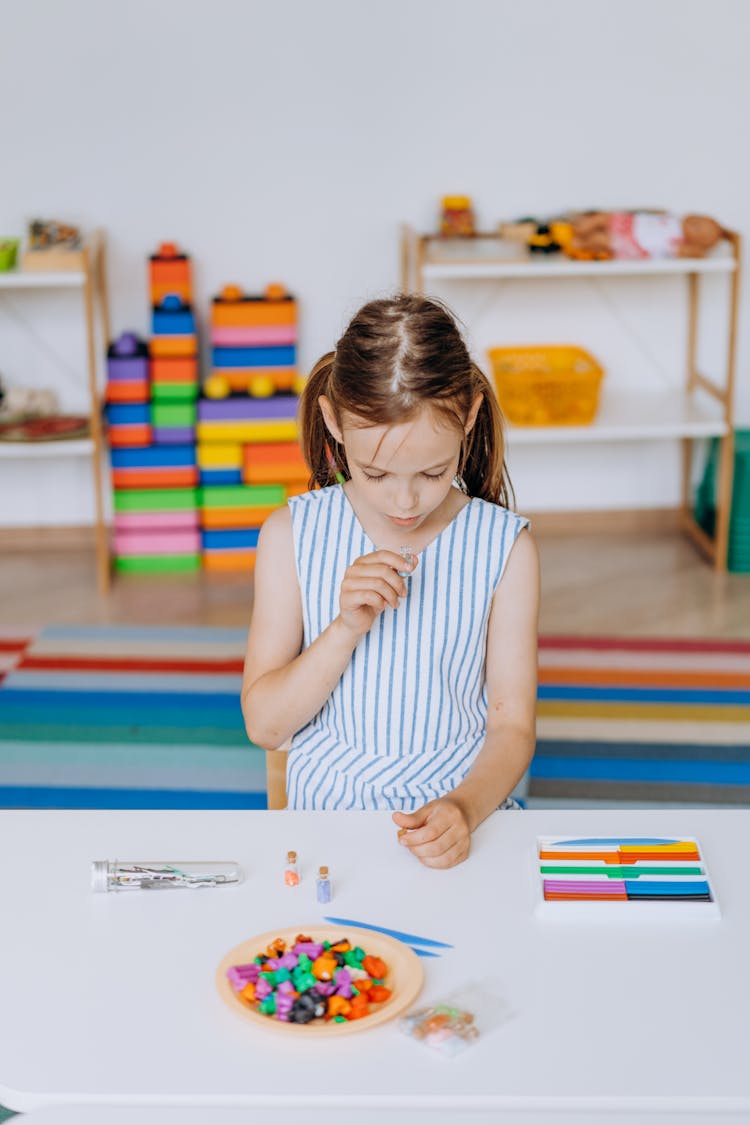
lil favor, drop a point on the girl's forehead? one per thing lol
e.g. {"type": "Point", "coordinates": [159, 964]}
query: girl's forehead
{"type": "Point", "coordinates": [427, 436]}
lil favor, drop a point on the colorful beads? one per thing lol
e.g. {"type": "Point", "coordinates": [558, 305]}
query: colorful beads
{"type": "Point", "coordinates": [311, 980]}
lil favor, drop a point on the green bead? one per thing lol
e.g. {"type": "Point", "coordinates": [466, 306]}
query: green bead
{"type": "Point", "coordinates": [269, 976]}
{"type": "Point", "coordinates": [303, 981]}
{"type": "Point", "coordinates": [326, 945]}
{"type": "Point", "coordinates": [280, 975]}
{"type": "Point", "coordinates": [339, 1019]}
{"type": "Point", "coordinates": [268, 1006]}
{"type": "Point", "coordinates": [303, 961]}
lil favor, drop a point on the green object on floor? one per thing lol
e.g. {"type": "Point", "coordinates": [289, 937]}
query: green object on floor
{"type": "Point", "coordinates": [5, 1114]}
{"type": "Point", "coordinates": [738, 555]}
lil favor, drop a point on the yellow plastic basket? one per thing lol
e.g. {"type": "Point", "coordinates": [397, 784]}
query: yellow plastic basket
{"type": "Point", "coordinates": [547, 385]}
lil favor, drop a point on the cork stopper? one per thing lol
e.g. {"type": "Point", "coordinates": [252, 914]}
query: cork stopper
{"type": "Point", "coordinates": [291, 857]}
{"type": "Point", "coordinates": [323, 872]}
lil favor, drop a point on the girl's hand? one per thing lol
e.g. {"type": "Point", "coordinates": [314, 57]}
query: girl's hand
{"type": "Point", "coordinates": [370, 584]}
{"type": "Point", "coordinates": [438, 834]}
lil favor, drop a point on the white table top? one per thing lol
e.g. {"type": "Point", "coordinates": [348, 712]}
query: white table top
{"type": "Point", "coordinates": [111, 998]}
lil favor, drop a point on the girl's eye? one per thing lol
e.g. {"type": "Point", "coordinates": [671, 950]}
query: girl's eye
{"type": "Point", "coordinates": [434, 476]}
{"type": "Point", "coordinates": [369, 476]}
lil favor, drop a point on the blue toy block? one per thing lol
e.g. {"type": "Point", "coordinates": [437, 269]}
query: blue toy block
{"type": "Point", "coordinates": [168, 323]}
{"type": "Point", "coordinates": [128, 414]}
{"type": "Point", "coordinates": [253, 357]}
{"type": "Point", "coordinates": [221, 476]}
{"type": "Point", "coordinates": [154, 457]}
{"type": "Point", "coordinates": [216, 540]}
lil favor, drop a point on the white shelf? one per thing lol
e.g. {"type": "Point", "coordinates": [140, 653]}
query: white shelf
{"type": "Point", "coordinates": [467, 267]}
{"type": "Point", "coordinates": [28, 450]}
{"type": "Point", "coordinates": [18, 279]}
{"type": "Point", "coordinates": [635, 415]}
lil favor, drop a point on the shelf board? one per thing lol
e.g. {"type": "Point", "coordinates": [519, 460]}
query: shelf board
{"type": "Point", "coordinates": [18, 279]}
{"type": "Point", "coordinates": [636, 415]}
{"type": "Point", "coordinates": [41, 449]}
{"type": "Point", "coordinates": [467, 268]}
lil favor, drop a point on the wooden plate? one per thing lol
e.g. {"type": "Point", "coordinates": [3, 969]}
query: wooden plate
{"type": "Point", "coordinates": [405, 978]}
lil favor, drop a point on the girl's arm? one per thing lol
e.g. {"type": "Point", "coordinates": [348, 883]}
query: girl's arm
{"type": "Point", "coordinates": [284, 686]}
{"type": "Point", "coordinates": [440, 833]}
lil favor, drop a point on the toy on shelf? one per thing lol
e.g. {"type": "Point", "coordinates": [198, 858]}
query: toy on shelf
{"type": "Point", "coordinates": [603, 235]}
{"type": "Point", "coordinates": [253, 343]}
{"type": "Point", "coordinates": [457, 217]}
{"type": "Point", "coordinates": [53, 245]}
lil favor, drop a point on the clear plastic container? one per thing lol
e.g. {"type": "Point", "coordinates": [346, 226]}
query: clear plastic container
{"type": "Point", "coordinates": [151, 875]}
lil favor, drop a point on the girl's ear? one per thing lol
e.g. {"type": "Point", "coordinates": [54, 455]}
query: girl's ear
{"type": "Point", "coordinates": [330, 418]}
{"type": "Point", "coordinates": [473, 412]}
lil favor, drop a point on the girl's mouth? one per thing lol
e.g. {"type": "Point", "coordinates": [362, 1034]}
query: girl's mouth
{"type": "Point", "coordinates": [404, 522]}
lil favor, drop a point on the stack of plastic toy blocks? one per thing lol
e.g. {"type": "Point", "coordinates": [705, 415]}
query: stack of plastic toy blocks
{"type": "Point", "coordinates": [154, 465]}
{"type": "Point", "coordinates": [247, 449]}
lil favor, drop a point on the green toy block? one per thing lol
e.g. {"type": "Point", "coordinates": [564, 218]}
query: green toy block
{"type": "Point", "coordinates": [173, 415]}
{"type": "Point", "coordinates": [155, 499]}
{"type": "Point", "coordinates": [174, 393]}
{"type": "Point", "coordinates": [157, 564]}
{"type": "Point", "coordinates": [242, 496]}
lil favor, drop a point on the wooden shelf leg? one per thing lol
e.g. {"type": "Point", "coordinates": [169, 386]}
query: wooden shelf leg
{"type": "Point", "coordinates": [102, 543]}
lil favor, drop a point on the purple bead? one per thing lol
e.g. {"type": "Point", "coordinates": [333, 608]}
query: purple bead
{"type": "Point", "coordinates": [325, 987]}
{"type": "Point", "coordinates": [313, 949]}
{"type": "Point", "coordinates": [263, 988]}
{"type": "Point", "coordinates": [283, 988]}
{"type": "Point", "coordinates": [343, 983]}
{"type": "Point", "coordinates": [271, 965]}
{"type": "Point", "coordinates": [288, 961]}
{"type": "Point", "coordinates": [239, 975]}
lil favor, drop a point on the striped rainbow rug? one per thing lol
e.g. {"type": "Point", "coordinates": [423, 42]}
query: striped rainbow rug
{"type": "Point", "coordinates": [129, 717]}
{"type": "Point", "coordinates": [643, 720]}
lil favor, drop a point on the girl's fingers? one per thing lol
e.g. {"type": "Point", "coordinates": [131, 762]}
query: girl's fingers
{"type": "Point", "coordinates": [455, 855]}
{"type": "Point", "coordinates": [354, 591]}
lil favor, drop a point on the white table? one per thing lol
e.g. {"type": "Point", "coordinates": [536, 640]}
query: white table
{"type": "Point", "coordinates": [110, 999]}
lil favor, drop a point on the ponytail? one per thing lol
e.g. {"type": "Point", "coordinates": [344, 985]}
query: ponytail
{"type": "Point", "coordinates": [325, 457]}
{"type": "Point", "coordinates": [482, 470]}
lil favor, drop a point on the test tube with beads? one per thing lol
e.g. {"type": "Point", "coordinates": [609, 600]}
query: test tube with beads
{"type": "Point", "coordinates": [291, 871]}
{"type": "Point", "coordinates": [150, 875]}
{"type": "Point", "coordinates": [408, 554]}
{"type": "Point", "coordinates": [323, 886]}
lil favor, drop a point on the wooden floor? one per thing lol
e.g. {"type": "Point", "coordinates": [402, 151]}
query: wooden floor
{"type": "Point", "coordinates": [630, 583]}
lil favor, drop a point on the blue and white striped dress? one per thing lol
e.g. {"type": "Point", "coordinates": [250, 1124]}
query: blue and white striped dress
{"type": "Point", "coordinates": [408, 716]}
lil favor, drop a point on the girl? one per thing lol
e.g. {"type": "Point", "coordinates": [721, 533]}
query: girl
{"type": "Point", "coordinates": [393, 635]}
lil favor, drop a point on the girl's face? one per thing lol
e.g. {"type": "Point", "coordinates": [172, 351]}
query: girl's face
{"type": "Point", "coordinates": [402, 474]}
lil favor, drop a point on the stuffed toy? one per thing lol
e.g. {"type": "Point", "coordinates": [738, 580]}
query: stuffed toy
{"type": "Point", "coordinates": [27, 402]}
{"type": "Point", "coordinates": [636, 235]}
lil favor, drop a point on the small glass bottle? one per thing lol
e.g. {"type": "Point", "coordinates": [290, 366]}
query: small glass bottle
{"type": "Point", "coordinates": [411, 558]}
{"type": "Point", "coordinates": [151, 875]}
{"type": "Point", "coordinates": [291, 872]}
{"type": "Point", "coordinates": [323, 886]}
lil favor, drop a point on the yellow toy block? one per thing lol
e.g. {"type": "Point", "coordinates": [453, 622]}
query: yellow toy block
{"type": "Point", "coordinates": [246, 431]}
{"type": "Point", "coordinates": [220, 455]}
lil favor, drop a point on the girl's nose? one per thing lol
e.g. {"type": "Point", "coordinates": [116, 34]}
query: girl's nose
{"type": "Point", "coordinates": [407, 498]}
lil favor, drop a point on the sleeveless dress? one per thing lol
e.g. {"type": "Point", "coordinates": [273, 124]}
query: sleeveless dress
{"type": "Point", "coordinates": [407, 718]}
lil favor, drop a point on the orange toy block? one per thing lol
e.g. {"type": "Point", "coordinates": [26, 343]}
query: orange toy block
{"type": "Point", "coordinates": [170, 272]}
{"type": "Point", "coordinates": [177, 346]}
{"type": "Point", "coordinates": [267, 463]}
{"type": "Point", "coordinates": [217, 519]}
{"type": "Point", "coordinates": [174, 369]}
{"type": "Point", "coordinates": [252, 312]}
{"type": "Point", "coordinates": [223, 561]}
{"type": "Point", "coordinates": [178, 476]}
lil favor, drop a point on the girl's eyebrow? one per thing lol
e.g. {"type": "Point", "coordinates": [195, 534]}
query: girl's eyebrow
{"type": "Point", "coordinates": [375, 469]}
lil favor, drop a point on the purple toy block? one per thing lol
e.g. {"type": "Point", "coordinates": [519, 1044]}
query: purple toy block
{"type": "Point", "coordinates": [173, 435]}
{"type": "Point", "coordinates": [127, 358]}
{"type": "Point", "coordinates": [279, 407]}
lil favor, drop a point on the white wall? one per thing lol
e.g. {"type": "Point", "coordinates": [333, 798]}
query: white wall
{"type": "Point", "coordinates": [289, 141]}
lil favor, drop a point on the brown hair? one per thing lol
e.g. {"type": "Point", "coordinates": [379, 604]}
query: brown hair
{"type": "Point", "coordinates": [397, 355]}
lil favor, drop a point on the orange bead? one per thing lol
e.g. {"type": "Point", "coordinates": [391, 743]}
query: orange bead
{"type": "Point", "coordinates": [341, 947]}
{"type": "Point", "coordinates": [338, 1006]}
{"type": "Point", "coordinates": [375, 967]}
{"type": "Point", "coordinates": [363, 985]}
{"type": "Point", "coordinates": [378, 993]}
{"type": "Point", "coordinates": [248, 992]}
{"type": "Point", "coordinates": [324, 967]}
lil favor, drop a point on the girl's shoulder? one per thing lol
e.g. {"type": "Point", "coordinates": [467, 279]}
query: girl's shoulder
{"type": "Point", "coordinates": [497, 514]}
{"type": "Point", "coordinates": [322, 497]}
